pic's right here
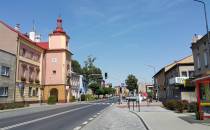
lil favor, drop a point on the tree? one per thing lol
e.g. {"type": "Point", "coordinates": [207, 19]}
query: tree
{"type": "Point", "coordinates": [94, 87]}
{"type": "Point", "coordinates": [76, 67]}
{"type": "Point", "coordinates": [91, 72]}
{"type": "Point", "coordinates": [131, 82]}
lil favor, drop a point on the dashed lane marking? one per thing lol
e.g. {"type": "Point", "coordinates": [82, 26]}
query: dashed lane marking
{"type": "Point", "coordinates": [43, 118]}
{"type": "Point", "coordinates": [90, 119]}
{"type": "Point", "coordinates": [77, 128]}
{"type": "Point", "coordinates": [84, 123]}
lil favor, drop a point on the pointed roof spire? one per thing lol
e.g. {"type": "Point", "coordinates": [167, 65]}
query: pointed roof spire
{"type": "Point", "coordinates": [59, 28]}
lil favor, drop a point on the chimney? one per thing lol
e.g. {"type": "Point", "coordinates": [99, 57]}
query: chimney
{"type": "Point", "coordinates": [196, 37]}
{"type": "Point", "coordinates": [32, 35]}
{"type": "Point", "coordinates": [17, 27]}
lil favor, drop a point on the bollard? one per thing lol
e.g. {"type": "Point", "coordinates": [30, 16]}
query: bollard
{"type": "Point", "coordinates": [129, 104]}
{"type": "Point", "coordinates": [133, 105]}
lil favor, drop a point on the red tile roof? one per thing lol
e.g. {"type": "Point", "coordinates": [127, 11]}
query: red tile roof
{"type": "Point", "coordinates": [43, 46]}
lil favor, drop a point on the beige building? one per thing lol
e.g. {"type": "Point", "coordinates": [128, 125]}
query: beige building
{"type": "Point", "coordinates": [171, 79]}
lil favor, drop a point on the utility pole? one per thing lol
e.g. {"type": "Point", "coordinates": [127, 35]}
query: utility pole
{"type": "Point", "coordinates": [206, 19]}
{"type": "Point", "coordinates": [154, 69]}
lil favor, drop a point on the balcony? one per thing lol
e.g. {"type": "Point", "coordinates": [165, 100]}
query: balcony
{"type": "Point", "coordinates": [177, 80]}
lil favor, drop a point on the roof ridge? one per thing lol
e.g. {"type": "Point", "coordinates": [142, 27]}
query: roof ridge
{"type": "Point", "coordinates": [20, 34]}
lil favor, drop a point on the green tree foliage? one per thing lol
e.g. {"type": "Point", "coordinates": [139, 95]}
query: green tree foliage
{"type": "Point", "coordinates": [91, 72]}
{"type": "Point", "coordinates": [131, 82]}
{"type": "Point", "coordinates": [76, 67]}
{"type": "Point", "coordinates": [94, 87]}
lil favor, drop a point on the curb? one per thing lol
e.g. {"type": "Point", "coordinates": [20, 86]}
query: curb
{"type": "Point", "coordinates": [145, 125]}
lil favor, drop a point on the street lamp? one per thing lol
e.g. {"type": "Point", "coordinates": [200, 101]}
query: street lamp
{"type": "Point", "coordinates": [206, 20]}
{"type": "Point", "coordinates": [153, 67]}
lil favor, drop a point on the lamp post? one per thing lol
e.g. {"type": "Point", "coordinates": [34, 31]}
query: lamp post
{"type": "Point", "coordinates": [154, 69]}
{"type": "Point", "coordinates": [206, 20]}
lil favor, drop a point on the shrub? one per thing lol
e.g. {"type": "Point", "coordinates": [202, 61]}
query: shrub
{"type": "Point", "coordinates": [83, 97]}
{"type": "Point", "coordinates": [89, 97]}
{"type": "Point", "coordinates": [170, 104]}
{"type": "Point", "coordinates": [1, 106]}
{"type": "Point", "coordinates": [192, 107]}
{"type": "Point", "coordinates": [52, 100]}
{"type": "Point", "coordinates": [13, 105]}
{"type": "Point", "coordinates": [180, 106]}
{"type": "Point", "coordinates": [186, 104]}
{"type": "Point", "coordinates": [72, 99]}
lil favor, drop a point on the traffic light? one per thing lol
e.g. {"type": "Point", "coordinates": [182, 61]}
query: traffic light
{"type": "Point", "coordinates": [106, 75]}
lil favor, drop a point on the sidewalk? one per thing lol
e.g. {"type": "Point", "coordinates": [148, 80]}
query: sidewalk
{"type": "Point", "coordinates": [158, 118]}
{"type": "Point", "coordinates": [115, 118]}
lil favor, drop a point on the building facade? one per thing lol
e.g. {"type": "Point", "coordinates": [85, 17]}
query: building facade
{"type": "Point", "coordinates": [35, 70]}
{"type": "Point", "coordinates": [7, 77]}
{"type": "Point", "coordinates": [57, 65]}
{"type": "Point", "coordinates": [171, 79]}
{"type": "Point", "coordinates": [201, 52]}
{"type": "Point", "coordinates": [176, 79]}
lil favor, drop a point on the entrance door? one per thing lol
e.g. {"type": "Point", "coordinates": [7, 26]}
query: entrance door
{"type": "Point", "coordinates": [54, 92]}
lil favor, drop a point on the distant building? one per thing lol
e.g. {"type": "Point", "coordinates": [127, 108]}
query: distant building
{"type": "Point", "coordinates": [174, 80]}
{"type": "Point", "coordinates": [179, 80]}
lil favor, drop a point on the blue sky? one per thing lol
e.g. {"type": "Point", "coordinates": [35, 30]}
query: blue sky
{"type": "Point", "coordinates": [124, 35]}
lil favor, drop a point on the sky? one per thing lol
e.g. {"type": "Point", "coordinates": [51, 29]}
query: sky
{"type": "Point", "coordinates": [125, 36]}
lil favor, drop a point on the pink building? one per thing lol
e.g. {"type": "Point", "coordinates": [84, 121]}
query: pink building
{"type": "Point", "coordinates": [42, 68]}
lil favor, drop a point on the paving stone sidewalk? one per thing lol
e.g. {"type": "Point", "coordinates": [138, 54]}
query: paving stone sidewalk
{"type": "Point", "coordinates": [115, 118]}
{"type": "Point", "coordinates": [158, 118]}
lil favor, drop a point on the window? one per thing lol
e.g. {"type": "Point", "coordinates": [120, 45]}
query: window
{"type": "Point", "coordinates": [22, 91]}
{"type": "Point", "coordinates": [30, 91]}
{"type": "Point", "coordinates": [184, 73]}
{"type": "Point", "coordinates": [37, 90]}
{"type": "Point", "coordinates": [54, 71]}
{"type": "Point", "coordinates": [23, 52]}
{"type": "Point", "coordinates": [3, 91]}
{"type": "Point", "coordinates": [198, 62]}
{"type": "Point", "coordinates": [4, 71]}
{"type": "Point", "coordinates": [54, 60]}
{"type": "Point", "coordinates": [191, 74]}
{"type": "Point", "coordinates": [205, 58]}
{"type": "Point", "coordinates": [34, 93]}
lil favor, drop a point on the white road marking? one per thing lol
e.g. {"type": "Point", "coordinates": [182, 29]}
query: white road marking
{"type": "Point", "coordinates": [95, 116]}
{"type": "Point", "coordinates": [90, 119]}
{"type": "Point", "coordinates": [84, 123]}
{"type": "Point", "coordinates": [39, 119]}
{"type": "Point", "coordinates": [98, 113]}
{"type": "Point", "coordinates": [77, 128]}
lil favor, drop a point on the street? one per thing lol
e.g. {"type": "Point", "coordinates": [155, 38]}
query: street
{"type": "Point", "coordinates": [64, 118]}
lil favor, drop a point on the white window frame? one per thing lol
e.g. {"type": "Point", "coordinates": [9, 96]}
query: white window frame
{"type": "Point", "coordinates": [6, 71]}
{"type": "Point", "coordinates": [54, 60]}
{"type": "Point", "coordinates": [205, 58]}
{"type": "Point", "coordinates": [5, 91]}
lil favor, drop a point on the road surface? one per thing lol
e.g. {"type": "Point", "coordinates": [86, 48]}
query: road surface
{"type": "Point", "coordinates": [63, 118]}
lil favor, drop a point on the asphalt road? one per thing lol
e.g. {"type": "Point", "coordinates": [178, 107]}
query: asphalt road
{"type": "Point", "coordinates": [64, 118]}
